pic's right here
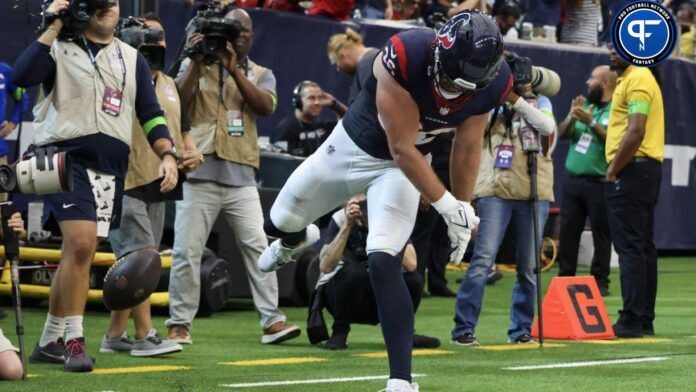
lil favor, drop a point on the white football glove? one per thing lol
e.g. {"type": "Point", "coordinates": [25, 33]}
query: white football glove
{"type": "Point", "coordinates": [461, 219]}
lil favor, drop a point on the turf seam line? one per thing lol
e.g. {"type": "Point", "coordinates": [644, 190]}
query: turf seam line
{"type": "Point", "coordinates": [313, 381]}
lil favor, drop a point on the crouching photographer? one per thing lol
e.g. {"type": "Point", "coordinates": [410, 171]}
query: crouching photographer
{"type": "Point", "coordinates": [223, 91]}
{"type": "Point", "coordinates": [93, 86]}
{"type": "Point", "coordinates": [522, 126]}
{"type": "Point", "coordinates": [344, 287]}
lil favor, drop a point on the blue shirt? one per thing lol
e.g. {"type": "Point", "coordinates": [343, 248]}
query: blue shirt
{"type": "Point", "coordinates": [7, 88]}
{"type": "Point", "coordinates": [409, 62]}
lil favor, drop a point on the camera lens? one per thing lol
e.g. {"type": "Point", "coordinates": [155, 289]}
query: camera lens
{"type": "Point", "coordinates": [7, 179]}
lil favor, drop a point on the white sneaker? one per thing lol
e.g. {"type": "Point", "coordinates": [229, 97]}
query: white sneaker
{"type": "Point", "coordinates": [276, 255]}
{"type": "Point", "coordinates": [397, 385]}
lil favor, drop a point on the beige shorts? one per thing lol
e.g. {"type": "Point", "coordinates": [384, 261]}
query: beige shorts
{"type": "Point", "coordinates": [5, 343]}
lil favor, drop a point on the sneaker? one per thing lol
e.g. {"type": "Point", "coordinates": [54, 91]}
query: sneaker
{"type": "Point", "coordinates": [76, 358]}
{"type": "Point", "coordinates": [628, 331]}
{"type": "Point", "coordinates": [276, 255]}
{"type": "Point", "coordinates": [280, 332]}
{"type": "Point", "coordinates": [153, 345]}
{"type": "Point", "coordinates": [523, 339]}
{"type": "Point", "coordinates": [494, 276]}
{"type": "Point", "coordinates": [396, 385]}
{"type": "Point", "coordinates": [121, 344]}
{"type": "Point", "coordinates": [421, 341]}
{"type": "Point", "coordinates": [442, 292]}
{"type": "Point", "coordinates": [336, 342]}
{"type": "Point", "coordinates": [466, 340]}
{"type": "Point", "coordinates": [179, 334]}
{"type": "Point", "coordinates": [52, 353]}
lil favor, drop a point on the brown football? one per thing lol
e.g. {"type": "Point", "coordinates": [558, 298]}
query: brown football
{"type": "Point", "coordinates": [131, 279]}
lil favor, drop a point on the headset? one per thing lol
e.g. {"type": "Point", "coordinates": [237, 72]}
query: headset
{"type": "Point", "coordinates": [297, 93]}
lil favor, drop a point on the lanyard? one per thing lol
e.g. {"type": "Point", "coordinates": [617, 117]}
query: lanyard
{"type": "Point", "coordinates": [96, 67]}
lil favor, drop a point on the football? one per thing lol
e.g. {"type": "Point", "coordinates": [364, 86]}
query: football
{"type": "Point", "coordinates": [132, 279]}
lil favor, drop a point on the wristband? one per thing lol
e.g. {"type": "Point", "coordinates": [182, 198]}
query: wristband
{"type": "Point", "coordinates": [445, 203]}
{"type": "Point", "coordinates": [171, 153]}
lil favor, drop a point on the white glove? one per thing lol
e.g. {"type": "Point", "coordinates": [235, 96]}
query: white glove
{"type": "Point", "coordinates": [461, 219]}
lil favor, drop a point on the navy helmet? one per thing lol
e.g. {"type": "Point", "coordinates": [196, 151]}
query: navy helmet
{"type": "Point", "coordinates": [467, 52]}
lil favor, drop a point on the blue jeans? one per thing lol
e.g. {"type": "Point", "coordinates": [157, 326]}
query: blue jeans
{"type": "Point", "coordinates": [495, 214]}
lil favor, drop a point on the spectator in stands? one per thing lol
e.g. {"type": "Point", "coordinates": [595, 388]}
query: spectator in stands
{"type": "Point", "coordinates": [284, 5]}
{"type": "Point", "coordinates": [635, 149]}
{"type": "Point", "coordinates": [502, 193]}
{"type": "Point", "coordinates": [347, 52]}
{"type": "Point", "coordinates": [437, 12]}
{"type": "Point", "coordinates": [223, 125]}
{"type": "Point", "coordinates": [142, 214]}
{"type": "Point", "coordinates": [583, 189]}
{"type": "Point", "coordinates": [686, 17]}
{"type": "Point", "coordinates": [507, 16]}
{"type": "Point", "coordinates": [302, 130]}
{"type": "Point", "coordinates": [543, 12]}
{"type": "Point", "coordinates": [8, 123]}
{"type": "Point", "coordinates": [345, 287]}
{"type": "Point", "coordinates": [407, 10]}
{"type": "Point", "coordinates": [582, 18]}
{"type": "Point", "coordinates": [10, 364]}
{"type": "Point", "coordinates": [338, 10]}
{"type": "Point", "coordinates": [376, 9]}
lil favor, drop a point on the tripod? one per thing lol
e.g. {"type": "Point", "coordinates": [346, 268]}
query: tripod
{"type": "Point", "coordinates": [11, 243]}
{"type": "Point", "coordinates": [534, 199]}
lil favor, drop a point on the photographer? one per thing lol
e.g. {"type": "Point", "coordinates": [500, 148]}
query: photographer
{"type": "Point", "coordinates": [223, 98]}
{"type": "Point", "coordinates": [302, 131]}
{"type": "Point", "coordinates": [142, 218]}
{"type": "Point", "coordinates": [502, 193]}
{"type": "Point", "coordinates": [345, 284]}
{"type": "Point", "coordinates": [92, 89]}
{"type": "Point", "coordinates": [583, 189]}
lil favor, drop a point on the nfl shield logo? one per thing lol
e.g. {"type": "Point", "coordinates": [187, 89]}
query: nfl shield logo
{"type": "Point", "coordinates": [444, 111]}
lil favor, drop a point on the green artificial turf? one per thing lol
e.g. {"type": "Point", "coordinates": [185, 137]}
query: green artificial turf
{"type": "Point", "coordinates": [234, 335]}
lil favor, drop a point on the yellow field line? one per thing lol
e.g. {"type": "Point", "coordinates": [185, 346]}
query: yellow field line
{"type": "Point", "coordinates": [139, 369]}
{"type": "Point", "coordinates": [629, 341]}
{"type": "Point", "coordinates": [510, 347]}
{"type": "Point", "coordinates": [274, 361]}
{"type": "Point", "coordinates": [416, 353]}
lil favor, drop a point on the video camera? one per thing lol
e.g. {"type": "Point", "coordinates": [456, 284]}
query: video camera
{"type": "Point", "coordinates": [216, 30]}
{"type": "Point", "coordinates": [543, 80]}
{"type": "Point", "coordinates": [145, 39]}
{"type": "Point", "coordinates": [77, 15]}
{"type": "Point", "coordinates": [42, 170]}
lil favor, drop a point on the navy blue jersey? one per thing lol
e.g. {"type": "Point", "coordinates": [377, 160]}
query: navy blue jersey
{"type": "Point", "coordinates": [408, 58]}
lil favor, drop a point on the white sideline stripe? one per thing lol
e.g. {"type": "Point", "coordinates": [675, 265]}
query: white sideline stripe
{"type": "Point", "coordinates": [588, 363]}
{"type": "Point", "coordinates": [314, 381]}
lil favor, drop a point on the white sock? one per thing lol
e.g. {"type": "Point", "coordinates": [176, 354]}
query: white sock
{"type": "Point", "coordinates": [73, 328]}
{"type": "Point", "coordinates": [53, 330]}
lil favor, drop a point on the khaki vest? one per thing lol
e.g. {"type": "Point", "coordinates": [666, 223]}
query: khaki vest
{"type": "Point", "coordinates": [512, 183]}
{"type": "Point", "coordinates": [73, 108]}
{"type": "Point", "coordinates": [209, 117]}
{"type": "Point", "coordinates": [143, 163]}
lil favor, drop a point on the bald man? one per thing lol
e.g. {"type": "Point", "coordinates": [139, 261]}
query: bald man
{"type": "Point", "coordinates": [583, 192]}
{"type": "Point", "coordinates": [223, 124]}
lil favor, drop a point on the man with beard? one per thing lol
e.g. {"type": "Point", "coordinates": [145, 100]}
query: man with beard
{"type": "Point", "coordinates": [635, 149]}
{"type": "Point", "coordinates": [583, 189]}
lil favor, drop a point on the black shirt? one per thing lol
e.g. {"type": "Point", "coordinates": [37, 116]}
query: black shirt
{"type": "Point", "coordinates": [303, 139]}
{"type": "Point", "coordinates": [356, 245]}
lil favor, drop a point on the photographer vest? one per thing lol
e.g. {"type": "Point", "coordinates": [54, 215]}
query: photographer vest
{"type": "Point", "coordinates": [143, 163]}
{"type": "Point", "coordinates": [73, 108]}
{"type": "Point", "coordinates": [209, 115]}
{"type": "Point", "coordinates": [512, 183]}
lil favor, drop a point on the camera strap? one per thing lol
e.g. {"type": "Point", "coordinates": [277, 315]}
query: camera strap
{"type": "Point", "coordinates": [93, 59]}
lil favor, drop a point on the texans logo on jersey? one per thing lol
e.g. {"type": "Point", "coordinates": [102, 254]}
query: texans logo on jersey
{"type": "Point", "coordinates": [448, 34]}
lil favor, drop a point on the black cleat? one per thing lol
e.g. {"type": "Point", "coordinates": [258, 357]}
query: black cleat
{"type": "Point", "coordinates": [628, 331]}
{"type": "Point", "coordinates": [466, 340]}
{"type": "Point", "coordinates": [421, 341]}
{"type": "Point", "coordinates": [52, 353]}
{"type": "Point", "coordinates": [76, 358]}
{"type": "Point", "coordinates": [336, 342]}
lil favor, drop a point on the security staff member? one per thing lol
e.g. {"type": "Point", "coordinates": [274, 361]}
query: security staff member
{"type": "Point", "coordinates": [223, 124]}
{"type": "Point", "coordinates": [92, 90]}
{"type": "Point", "coordinates": [583, 189]}
{"type": "Point", "coordinates": [634, 151]}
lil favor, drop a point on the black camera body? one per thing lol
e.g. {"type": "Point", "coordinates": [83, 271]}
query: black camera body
{"type": "Point", "coordinates": [216, 31]}
{"type": "Point", "coordinates": [145, 39]}
{"type": "Point", "coordinates": [521, 68]}
{"type": "Point", "coordinates": [77, 15]}
{"type": "Point", "coordinates": [543, 80]}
